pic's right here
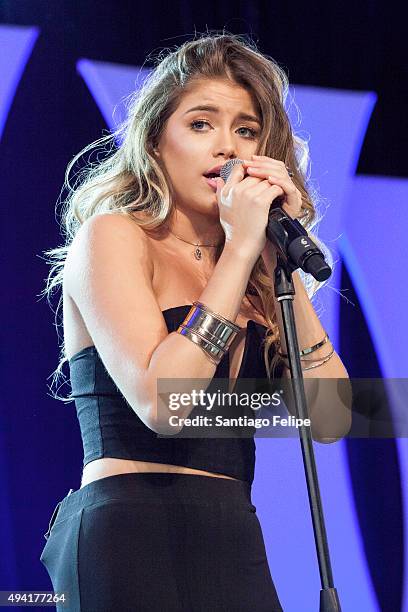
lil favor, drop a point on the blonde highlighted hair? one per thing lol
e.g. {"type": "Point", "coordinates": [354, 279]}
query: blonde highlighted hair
{"type": "Point", "coordinates": [128, 180]}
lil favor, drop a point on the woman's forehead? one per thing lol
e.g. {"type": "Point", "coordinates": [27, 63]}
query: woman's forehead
{"type": "Point", "coordinates": [221, 93]}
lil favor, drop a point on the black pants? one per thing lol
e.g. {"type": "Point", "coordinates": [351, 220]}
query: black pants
{"type": "Point", "coordinates": [159, 542]}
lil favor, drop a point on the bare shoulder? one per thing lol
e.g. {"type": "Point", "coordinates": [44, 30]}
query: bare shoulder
{"type": "Point", "coordinates": [108, 277]}
{"type": "Point", "coordinates": [111, 226]}
{"type": "Point", "coordinates": [111, 234]}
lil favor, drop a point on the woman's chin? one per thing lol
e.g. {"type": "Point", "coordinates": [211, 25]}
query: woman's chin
{"type": "Point", "coordinates": [215, 208]}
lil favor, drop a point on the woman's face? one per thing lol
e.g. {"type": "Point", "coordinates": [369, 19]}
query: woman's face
{"type": "Point", "coordinates": [195, 141]}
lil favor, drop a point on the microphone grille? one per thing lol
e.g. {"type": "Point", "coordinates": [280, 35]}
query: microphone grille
{"type": "Point", "coordinates": [226, 169]}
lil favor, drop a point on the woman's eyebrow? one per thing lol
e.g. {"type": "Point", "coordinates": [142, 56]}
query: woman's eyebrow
{"type": "Point", "coordinates": [214, 109]}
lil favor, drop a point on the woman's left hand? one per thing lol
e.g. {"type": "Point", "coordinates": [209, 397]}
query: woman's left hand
{"type": "Point", "coordinates": [276, 173]}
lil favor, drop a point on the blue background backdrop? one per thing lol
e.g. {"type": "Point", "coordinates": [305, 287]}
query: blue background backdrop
{"type": "Point", "coordinates": [63, 68]}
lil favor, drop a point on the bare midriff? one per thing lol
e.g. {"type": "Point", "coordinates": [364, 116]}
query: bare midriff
{"type": "Point", "coordinates": [101, 468]}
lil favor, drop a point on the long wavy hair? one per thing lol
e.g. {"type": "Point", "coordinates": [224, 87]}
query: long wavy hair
{"type": "Point", "coordinates": [129, 180]}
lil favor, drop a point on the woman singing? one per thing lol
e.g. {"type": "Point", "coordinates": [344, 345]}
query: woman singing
{"type": "Point", "coordinates": [166, 275]}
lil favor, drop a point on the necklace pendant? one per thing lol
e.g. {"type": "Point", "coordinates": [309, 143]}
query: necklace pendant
{"type": "Point", "coordinates": [197, 253]}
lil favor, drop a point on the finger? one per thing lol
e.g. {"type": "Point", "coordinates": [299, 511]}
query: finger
{"type": "Point", "coordinates": [277, 173]}
{"type": "Point", "coordinates": [238, 182]}
{"type": "Point", "coordinates": [267, 162]}
{"type": "Point", "coordinates": [264, 158]}
{"type": "Point", "coordinates": [265, 168]}
{"type": "Point", "coordinates": [287, 185]}
{"type": "Point", "coordinates": [259, 187]}
{"type": "Point", "coordinates": [293, 198]}
{"type": "Point", "coordinates": [220, 184]}
{"type": "Point", "coordinates": [224, 189]}
{"type": "Point", "coordinates": [268, 195]}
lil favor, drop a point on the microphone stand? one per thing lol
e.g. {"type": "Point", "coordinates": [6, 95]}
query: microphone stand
{"type": "Point", "coordinates": [284, 292]}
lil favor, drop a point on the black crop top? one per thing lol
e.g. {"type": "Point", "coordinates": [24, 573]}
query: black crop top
{"type": "Point", "coordinates": [111, 428]}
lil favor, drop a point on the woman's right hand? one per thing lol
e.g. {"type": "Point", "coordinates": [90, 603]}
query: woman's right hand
{"type": "Point", "coordinates": [244, 205]}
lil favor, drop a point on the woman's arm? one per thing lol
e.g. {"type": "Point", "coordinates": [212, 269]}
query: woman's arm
{"type": "Point", "coordinates": [109, 275]}
{"type": "Point", "coordinates": [329, 413]}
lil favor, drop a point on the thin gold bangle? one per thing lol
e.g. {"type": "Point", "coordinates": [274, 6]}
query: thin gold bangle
{"type": "Point", "coordinates": [317, 365]}
{"type": "Point", "coordinates": [310, 349]}
{"type": "Point", "coordinates": [310, 360]}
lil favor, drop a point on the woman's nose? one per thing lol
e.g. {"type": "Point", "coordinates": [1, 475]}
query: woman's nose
{"type": "Point", "coordinates": [227, 150]}
{"type": "Point", "coordinates": [226, 144]}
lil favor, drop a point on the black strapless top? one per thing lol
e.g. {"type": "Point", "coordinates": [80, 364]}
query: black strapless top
{"type": "Point", "coordinates": [111, 428]}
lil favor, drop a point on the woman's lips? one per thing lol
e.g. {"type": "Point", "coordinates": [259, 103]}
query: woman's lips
{"type": "Point", "coordinates": [211, 182]}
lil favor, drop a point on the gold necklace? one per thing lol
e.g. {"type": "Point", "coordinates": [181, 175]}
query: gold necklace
{"type": "Point", "coordinates": [197, 252]}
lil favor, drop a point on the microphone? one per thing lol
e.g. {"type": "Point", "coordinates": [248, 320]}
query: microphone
{"type": "Point", "coordinates": [291, 239]}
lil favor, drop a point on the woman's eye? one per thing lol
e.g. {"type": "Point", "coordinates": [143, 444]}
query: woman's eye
{"type": "Point", "coordinates": [252, 132]}
{"type": "Point", "coordinates": [195, 125]}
